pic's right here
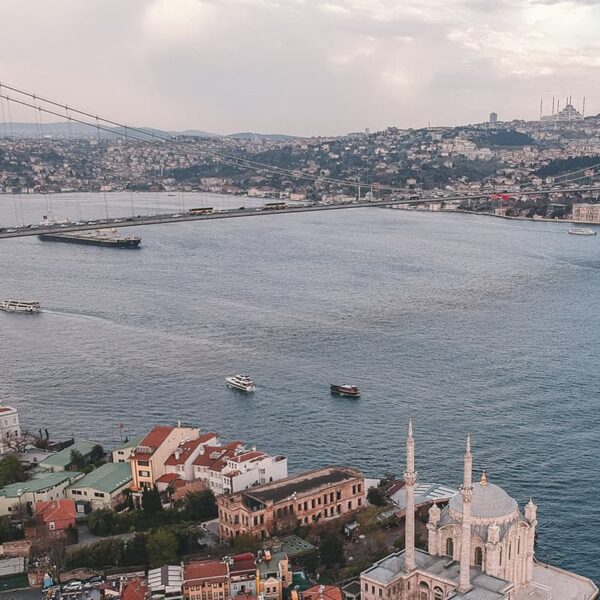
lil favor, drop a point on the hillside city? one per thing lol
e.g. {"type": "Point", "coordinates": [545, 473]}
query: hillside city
{"type": "Point", "coordinates": [499, 158]}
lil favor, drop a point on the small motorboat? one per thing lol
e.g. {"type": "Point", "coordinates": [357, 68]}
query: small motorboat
{"type": "Point", "coordinates": [581, 231]}
{"type": "Point", "coordinates": [351, 391]}
{"type": "Point", "coordinates": [241, 382]}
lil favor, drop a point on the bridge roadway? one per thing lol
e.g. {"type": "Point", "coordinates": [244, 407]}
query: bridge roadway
{"type": "Point", "coordinates": [27, 230]}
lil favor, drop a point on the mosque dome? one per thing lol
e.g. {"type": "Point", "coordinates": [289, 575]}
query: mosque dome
{"type": "Point", "coordinates": [490, 501]}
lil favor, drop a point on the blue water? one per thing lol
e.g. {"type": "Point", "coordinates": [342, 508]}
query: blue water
{"type": "Point", "coordinates": [466, 323]}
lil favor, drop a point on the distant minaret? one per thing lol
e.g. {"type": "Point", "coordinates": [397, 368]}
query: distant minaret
{"type": "Point", "coordinates": [583, 110]}
{"type": "Point", "coordinates": [541, 107]}
{"type": "Point", "coordinates": [552, 105]}
{"type": "Point", "coordinates": [410, 478]}
{"type": "Point", "coordinates": [466, 491]}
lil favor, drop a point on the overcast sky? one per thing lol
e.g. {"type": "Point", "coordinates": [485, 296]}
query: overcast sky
{"type": "Point", "coordinates": [305, 67]}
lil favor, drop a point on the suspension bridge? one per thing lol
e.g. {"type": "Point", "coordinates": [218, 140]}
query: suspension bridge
{"type": "Point", "coordinates": [581, 180]}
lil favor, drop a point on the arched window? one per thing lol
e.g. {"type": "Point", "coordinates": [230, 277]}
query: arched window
{"type": "Point", "coordinates": [500, 555]}
{"type": "Point", "coordinates": [423, 591]}
{"type": "Point", "coordinates": [509, 550]}
{"type": "Point", "coordinates": [450, 547]}
{"type": "Point", "coordinates": [479, 556]}
{"type": "Point", "coordinates": [519, 545]}
{"type": "Point", "coordinates": [438, 593]}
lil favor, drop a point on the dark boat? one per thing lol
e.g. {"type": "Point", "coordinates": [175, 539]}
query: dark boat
{"type": "Point", "coordinates": [92, 239]}
{"type": "Point", "coordinates": [345, 390]}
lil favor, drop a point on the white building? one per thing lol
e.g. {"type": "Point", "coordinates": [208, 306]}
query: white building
{"type": "Point", "coordinates": [10, 429]}
{"type": "Point", "coordinates": [232, 468]}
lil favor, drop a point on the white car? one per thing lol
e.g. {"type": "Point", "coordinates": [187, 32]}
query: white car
{"type": "Point", "coordinates": [118, 220]}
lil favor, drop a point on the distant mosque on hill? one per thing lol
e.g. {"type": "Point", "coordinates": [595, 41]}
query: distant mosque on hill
{"type": "Point", "coordinates": [480, 547]}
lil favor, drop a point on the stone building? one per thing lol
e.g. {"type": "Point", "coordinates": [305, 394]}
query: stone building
{"type": "Point", "coordinates": [480, 547]}
{"type": "Point", "coordinates": [322, 494]}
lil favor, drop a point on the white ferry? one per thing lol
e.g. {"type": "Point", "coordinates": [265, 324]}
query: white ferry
{"type": "Point", "coordinates": [241, 382]}
{"type": "Point", "coordinates": [20, 306]}
{"type": "Point", "coordinates": [581, 231]}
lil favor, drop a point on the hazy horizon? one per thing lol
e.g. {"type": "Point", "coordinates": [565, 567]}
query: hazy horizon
{"type": "Point", "coordinates": [303, 67]}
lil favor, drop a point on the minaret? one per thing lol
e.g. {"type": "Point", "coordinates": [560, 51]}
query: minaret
{"type": "Point", "coordinates": [466, 491]}
{"type": "Point", "coordinates": [531, 517]}
{"type": "Point", "coordinates": [410, 477]}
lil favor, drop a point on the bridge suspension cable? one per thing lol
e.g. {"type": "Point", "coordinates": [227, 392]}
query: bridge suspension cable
{"type": "Point", "coordinates": [109, 124]}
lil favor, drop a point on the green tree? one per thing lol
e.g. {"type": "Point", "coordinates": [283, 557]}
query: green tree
{"type": "Point", "coordinates": [200, 506]}
{"type": "Point", "coordinates": [151, 502]}
{"type": "Point", "coordinates": [11, 470]}
{"type": "Point", "coordinates": [102, 521]}
{"type": "Point", "coordinates": [246, 543]}
{"type": "Point", "coordinates": [77, 460]}
{"type": "Point", "coordinates": [161, 547]}
{"type": "Point", "coordinates": [376, 497]}
{"type": "Point", "coordinates": [331, 549]}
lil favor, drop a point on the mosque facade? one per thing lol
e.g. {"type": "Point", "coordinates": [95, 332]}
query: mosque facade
{"type": "Point", "coordinates": [480, 547]}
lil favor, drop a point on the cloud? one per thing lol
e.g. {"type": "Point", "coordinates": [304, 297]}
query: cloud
{"type": "Point", "coordinates": [303, 66]}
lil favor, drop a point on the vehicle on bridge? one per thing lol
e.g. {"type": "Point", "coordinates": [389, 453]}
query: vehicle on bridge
{"type": "Point", "coordinates": [274, 206]}
{"type": "Point", "coordinates": [201, 211]}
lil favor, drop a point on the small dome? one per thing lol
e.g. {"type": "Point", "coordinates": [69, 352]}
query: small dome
{"type": "Point", "coordinates": [489, 501]}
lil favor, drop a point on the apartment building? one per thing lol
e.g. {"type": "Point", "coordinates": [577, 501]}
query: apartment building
{"type": "Point", "coordinates": [10, 428]}
{"type": "Point", "coordinates": [231, 468]}
{"type": "Point", "coordinates": [148, 459]}
{"type": "Point", "coordinates": [206, 580]}
{"type": "Point", "coordinates": [242, 575]}
{"type": "Point", "coordinates": [273, 575]}
{"type": "Point", "coordinates": [326, 493]}
{"type": "Point", "coordinates": [181, 460]}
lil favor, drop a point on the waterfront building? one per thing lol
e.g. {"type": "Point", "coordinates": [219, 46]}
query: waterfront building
{"type": "Point", "coordinates": [103, 487]}
{"type": "Point", "coordinates": [232, 468]}
{"type": "Point", "coordinates": [148, 459]}
{"type": "Point", "coordinates": [206, 580]}
{"type": "Point", "coordinates": [181, 460]}
{"type": "Point", "coordinates": [10, 428]}
{"type": "Point", "coordinates": [123, 452]}
{"type": "Point", "coordinates": [480, 546]}
{"type": "Point", "coordinates": [321, 494]}
{"type": "Point", "coordinates": [61, 461]}
{"type": "Point", "coordinates": [26, 494]}
{"type": "Point", "coordinates": [588, 213]}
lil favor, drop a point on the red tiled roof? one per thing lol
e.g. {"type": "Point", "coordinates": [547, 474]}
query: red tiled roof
{"type": "Point", "coordinates": [207, 570]}
{"type": "Point", "coordinates": [246, 456]}
{"type": "Point", "coordinates": [187, 448]}
{"type": "Point", "coordinates": [5, 408]}
{"type": "Point", "coordinates": [154, 439]}
{"type": "Point", "coordinates": [233, 445]}
{"type": "Point", "coordinates": [167, 478]}
{"type": "Point", "coordinates": [322, 592]}
{"type": "Point", "coordinates": [245, 565]}
{"type": "Point", "coordinates": [206, 459]}
{"type": "Point", "coordinates": [56, 510]}
{"type": "Point", "coordinates": [136, 589]}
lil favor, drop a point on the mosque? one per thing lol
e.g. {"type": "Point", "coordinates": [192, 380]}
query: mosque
{"type": "Point", "coordinates": [480, 547]}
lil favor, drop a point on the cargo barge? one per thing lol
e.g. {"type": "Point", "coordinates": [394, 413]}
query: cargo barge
{"type": "Point", "coordinates": [92, 238]}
